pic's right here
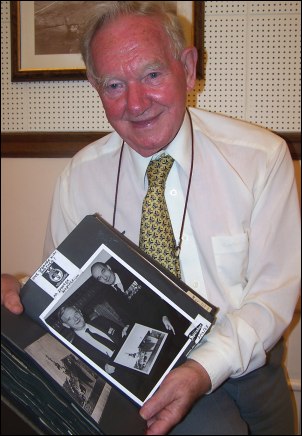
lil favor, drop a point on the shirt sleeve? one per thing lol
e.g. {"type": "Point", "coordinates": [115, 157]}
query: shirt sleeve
{"type": "Point", "coordinates": [238, 342]}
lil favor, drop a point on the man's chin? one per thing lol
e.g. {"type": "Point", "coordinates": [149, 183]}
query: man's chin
{"type": "Point", "coordinates": [147, 148]}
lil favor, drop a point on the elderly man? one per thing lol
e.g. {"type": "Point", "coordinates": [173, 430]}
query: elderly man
{"type": "Point", "coordinates": [232, 202]}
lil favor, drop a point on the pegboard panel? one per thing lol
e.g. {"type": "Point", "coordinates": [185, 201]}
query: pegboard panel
{"type": "Point", "coordinates": [225, 7]}
{"type": "Point", "coordinates": [252, 72]}
{"type": "Point", "coordinates": [4, 12]}
{"type": "Point", "coordinates": [252, 58]}
{"type": "Point", "coordinates": [65, 106]}
{"type": "Point", "coordinates": [283, 7]}
{"type": "Point", "coordinates": [274, 71]}
{"type": "Point", "coordinates": [225, 63]}
{"type": "Point", "coordinates": [13, 98]}
{"type": "Point", "coordinates": [46, 106]}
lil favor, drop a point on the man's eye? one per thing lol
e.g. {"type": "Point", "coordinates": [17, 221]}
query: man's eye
{"type": "Point", "coordinates": [153, 75]}
{"type": "Point", "coordinates": [114, 86]}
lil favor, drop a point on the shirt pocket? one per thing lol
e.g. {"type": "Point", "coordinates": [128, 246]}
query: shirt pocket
{"type": "Point", "coordinates": [231, 258]}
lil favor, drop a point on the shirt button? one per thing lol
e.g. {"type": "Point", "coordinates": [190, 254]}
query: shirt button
{"type": "Point", "coordinates": [185, 237]}
{"type": "Point", "coordinates": [195, 285]}
{"type": "Point", "coordinates": [173, 192]}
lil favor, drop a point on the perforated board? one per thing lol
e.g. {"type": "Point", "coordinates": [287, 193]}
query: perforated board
{"type": "Point", "coordinates": [252, 54]}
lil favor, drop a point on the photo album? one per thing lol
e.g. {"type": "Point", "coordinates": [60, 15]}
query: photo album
{"type": "Point", "coordinates": [124, 315]}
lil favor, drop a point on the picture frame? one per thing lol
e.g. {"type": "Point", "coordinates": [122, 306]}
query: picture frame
{"type": "Point", "coordinates": [33, 58]}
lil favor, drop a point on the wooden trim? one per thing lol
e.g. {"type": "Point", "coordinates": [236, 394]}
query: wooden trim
{"type": "Point", "coordinates": [46, 144]}
{"type": "Point", "coordinates": [66, 144]}
{"type": "Point", "coordinates": [199, 26]}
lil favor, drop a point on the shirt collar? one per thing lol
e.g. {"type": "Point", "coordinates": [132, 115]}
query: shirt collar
{"type": "Point", "coordinates": [117, 280]}
{"type": "Point", "coordinates": [179, 149]}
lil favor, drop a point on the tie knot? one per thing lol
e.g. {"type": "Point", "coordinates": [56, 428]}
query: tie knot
{"type": "Point", "coordinates": [159, 169]}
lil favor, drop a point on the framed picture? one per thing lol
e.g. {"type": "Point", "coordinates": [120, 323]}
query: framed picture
{"type": "Point", "coordinates": [46, 37]}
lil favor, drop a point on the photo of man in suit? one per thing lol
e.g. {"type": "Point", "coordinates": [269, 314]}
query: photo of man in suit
{"type": "Point", "coordinates": [104, 338]}
{"type": "Point", "coordinates": [72, 317]}
{"type": "Point", "coordinates": [114, 314]}
{"type": "Point", "coordinates": [129, 291]}
{"type": "Point", "coordinates": [118, 278]}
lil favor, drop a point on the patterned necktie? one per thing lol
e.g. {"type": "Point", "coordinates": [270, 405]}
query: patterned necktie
{"type": "Point", "coordinates": [156, 233]}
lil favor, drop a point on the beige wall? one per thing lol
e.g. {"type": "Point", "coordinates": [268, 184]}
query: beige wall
{"type": "Point", "coordinates": [26, 192]}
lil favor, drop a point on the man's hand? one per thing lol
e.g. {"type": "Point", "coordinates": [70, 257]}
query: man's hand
{"type": "Point", "coordinates": [175, 397]}
{"type": "Point", "coordinates": [109, 368]}
{"type": "Point", "coordinates": [167, 324]}
{"type": "Point", "coordinates": [125, 330]}
{"type": "Point", "coordinates": [10, 294]}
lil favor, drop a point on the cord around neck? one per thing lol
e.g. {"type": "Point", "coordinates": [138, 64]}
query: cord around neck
{"type": "Point", "coordinates": [178, 246]}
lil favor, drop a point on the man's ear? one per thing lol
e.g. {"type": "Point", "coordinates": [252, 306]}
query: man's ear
{"type": "Point", "coordinates": [189, 60]}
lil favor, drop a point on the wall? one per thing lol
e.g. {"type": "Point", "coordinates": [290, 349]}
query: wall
{"type": "Point", "coordinates": [252, 53]}
{"type": "Point", "coordinates": [26, 192]}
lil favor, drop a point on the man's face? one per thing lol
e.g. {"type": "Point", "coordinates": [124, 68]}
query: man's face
{"type": "Point", "coordinates": [142, 86]}
{"type": "Point", "coordinates": [73, 318]}
{"type": "Point", "coordinates": [103, 274]}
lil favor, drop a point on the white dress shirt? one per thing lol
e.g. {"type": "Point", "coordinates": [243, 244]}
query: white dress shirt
{"type": "Point", "coordinates": [118, 283]}
{"type": "Point", "coordinates": [82, 333]}
{"type": "Point", "coordinates": [241, 243]}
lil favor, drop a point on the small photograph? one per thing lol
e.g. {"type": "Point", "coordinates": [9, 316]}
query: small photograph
{"type": "Point", "coordinates": [55, 274]}
{"type": "Point", "coordinates": [81, 382]}
{"type": "Point", "coordinates": [141, 348]}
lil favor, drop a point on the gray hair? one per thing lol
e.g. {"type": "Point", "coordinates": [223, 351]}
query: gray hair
{"type": "Point", "coordinates": [63, 309]}
{"type": "Point", "coordinates": [111, 10]}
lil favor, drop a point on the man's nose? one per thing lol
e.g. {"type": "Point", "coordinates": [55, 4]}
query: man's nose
{"type": "Point", "coordinates": [137, 99]}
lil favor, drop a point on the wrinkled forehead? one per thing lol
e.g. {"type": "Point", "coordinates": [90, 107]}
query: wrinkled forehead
{"type": "Point", "coordinates": [127, 35]}
{"type": "Point", "coordinates": [125, 27]}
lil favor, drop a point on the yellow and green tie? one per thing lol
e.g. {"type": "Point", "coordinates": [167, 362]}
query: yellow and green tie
{"type": "Point", "coordinates": [156, 233]}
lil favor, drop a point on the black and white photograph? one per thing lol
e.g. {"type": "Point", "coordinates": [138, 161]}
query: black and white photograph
{"type": "Point", "coordinates": [80, 381]}
{"type": "Point", "coordinates": [116, 310]}
{"type": "Point", "coordinates": [141, 348]}
{"type": "Point", "coordinates": [46, 36]}
{"type": "Point", "coordinates": [125, 328]}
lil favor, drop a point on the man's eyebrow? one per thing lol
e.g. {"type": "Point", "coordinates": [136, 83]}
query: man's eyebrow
{"type": "Point", "coordinates": [153, 66]}
{"type": "Point", "coordinates": [103, 80]}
